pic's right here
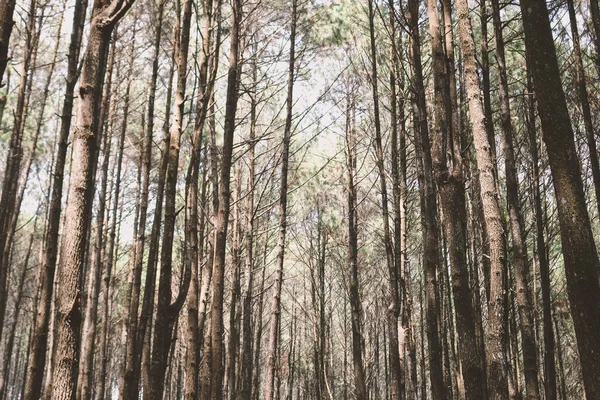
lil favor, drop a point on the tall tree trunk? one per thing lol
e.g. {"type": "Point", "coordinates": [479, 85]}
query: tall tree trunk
{"type": "Point", "coordinates": [192, 225]}
{"type": "Point", "coordinates": [8, 198]}
{"type": "Point", "coordinates": [541, 249]}
{"type": "Point", "coordinates": [84, 385]}
{"type": "Point", "coordinates": [397, 375]}
{"type": "Point", "coordinates": [354, 291]}
{"type": "Point", "coordinates": [247, 370]}
{"type": "Point", "coordinates": [429, 226]}
{"type": "Point", "coordinates": [142, 358]}
{"type": "Point", "coordinates": [495, 338]}
{"type": "Point", "coordinates": [222, 222]}
{"type": "Point", "coordinates": [519, 245]}
{"type": "Point", "coordinates": [127, 382]}
{"type": "Point", "coordinates": [167, 312]}
{"type": "Point", "coordinates": [448, 170]}
{"type": "Point", "coordinates": [78, 213]}
{"type": "Point", "coordinates": [275, 317]}
{"type": "Point", "coordinates": [39, 344]}
{"type": "Point", "coordinates": [579, 250]}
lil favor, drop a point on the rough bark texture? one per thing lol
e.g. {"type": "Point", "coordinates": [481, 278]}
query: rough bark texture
{"type": "Point", "coordinates": [104, 17]}
{"type": "Point", "coordinates": [429, 225]}
{"type": "Point", "coordinates": [579, 250]}
{"type": "Point", "coordinates": [39, 343]}
{"type": "Point", "coordinates": [448, 172]}
{"type": "Point", "coordinates": [496, 333]}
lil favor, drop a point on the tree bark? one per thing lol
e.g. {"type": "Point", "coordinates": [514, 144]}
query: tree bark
{"type": "Point", "coordinates": [222, 222]}
{"type": "Point", "coordinates": [579, 250]}
{"type": "Point", "coordinates": [167, 312]}
{"type": "Point", "coordinates": [519, 245]}
{"type": "Point", "coordinates": [584, 100]}
{"type": "Point", "coordinates": [496, 334]}
{"type": "Point", "coordinates": [37, 355]}
{"type": "Point", "coordinates": [78, 213]}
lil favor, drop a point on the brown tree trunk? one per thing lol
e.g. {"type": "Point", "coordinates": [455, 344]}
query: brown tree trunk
{"type": "Point", "coordinates": [127, 382]}
{"type": "Point", "coordinates": [222, 222]}
{"type": "Point", "coordinates": [519, 245]}
{"type": "Point", "coordinates": [192, 225]}
{"type": "Point", "coordinates": [355, 302]}
{"type": "Point", "coordinates": [39, 344]}
{"type": "Point", "coordinates": [167, 312]}
{"type": "Point", "coordinates": [246, 359]}
{"type": "Point", "coordinates": [275, 317]}
{"type": "Point", "coordinates": [448, 170]}
{"type": "Point", "coordinates": [396, 371]}
{"type": "Point", "coordinates": [495, 338]}
{"type": "Point", "coordinates": [584, 100]}
{"type": "Point", "coordinates": [579, 250]}
{"type": "Point", "coordinates": [541, 249]}
{"type": "Point", "coordinates": [8, 199]}
{"type": "Point", "coordinates": [7, 9]}
{"type": "Point", "coordinates": [78, 213]}
{"type": "Point", "coordinates": [429, 226]}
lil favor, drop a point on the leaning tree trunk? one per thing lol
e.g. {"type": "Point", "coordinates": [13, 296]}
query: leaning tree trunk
{"type": "Point", "coordinates": [582, 266]}
{"type": "Point", "coordinates": [78, 213]}
{"type": "Point", "coordinates": [275, 318]}
{"type": "Point", "coordinates": [496, 333]}
{"type": "Point", "coordinates": [519, 245]}
{"type": "Point", "coordinates": [584, 100]}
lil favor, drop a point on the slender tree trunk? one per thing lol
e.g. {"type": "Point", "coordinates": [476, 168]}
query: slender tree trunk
{"type": "Point", "coordinates": [584, 100]}
{"type": "Point", "coordinates": [549, 363]}
{"type": "Point", "coordinates": [579, 250]}
{"type": "Point", "coordinates": [275, 318]}
{"type": "Point", "coordinates": [167, 312]}
{"type": "Point", "coordinates": [448, 171]}
{"type": "Point", "coordinates": [519, 246]}
{"type": "Point", "coordinates": [220, 242]}
{"type": "Point", "coordinates": [495, 338]}
{"type": "Point", "coordinates": [192, 240]}
{"type": "Point", "coordinates": [247, 370]}
{"type": "Point", "coordinates": [8, 199]}
{"type": "Point", "coordinates": [397, 374]}
{"type": "Point", "coordinates": [127, 382]}
{"type": "Point", "coordinates": [9, 345]}
{"type": "Point", "coordinates": [354, 291]}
